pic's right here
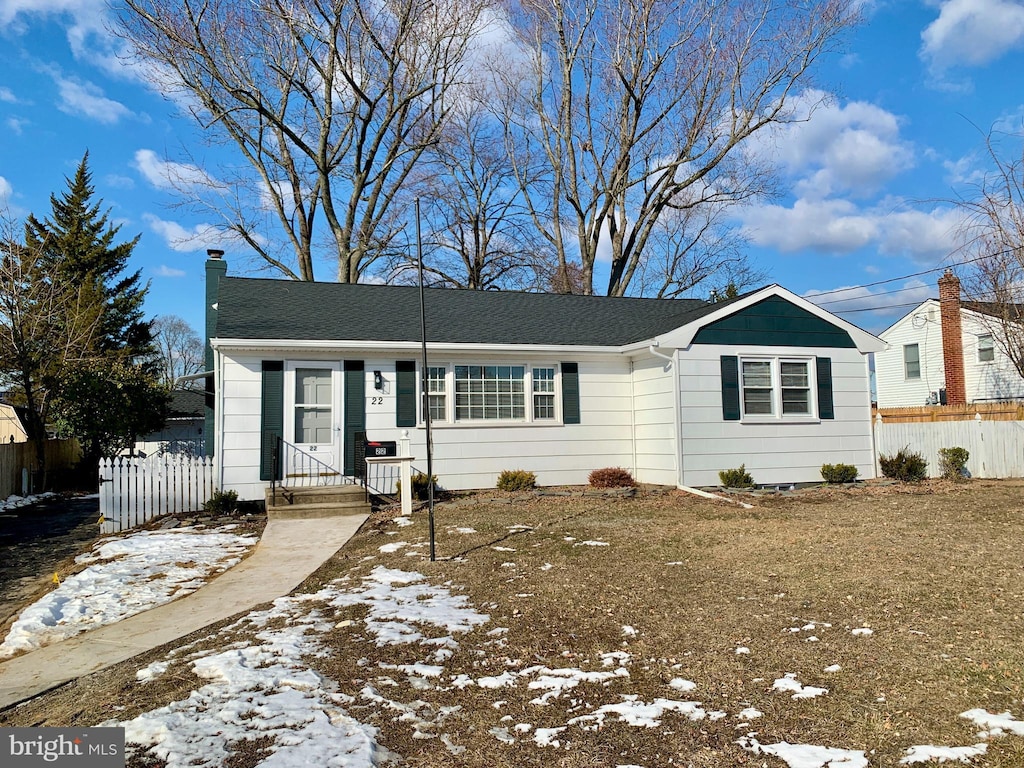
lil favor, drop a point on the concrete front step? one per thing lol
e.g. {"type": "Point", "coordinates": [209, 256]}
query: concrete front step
{"type": "Point", "coordinates": [320, 501]}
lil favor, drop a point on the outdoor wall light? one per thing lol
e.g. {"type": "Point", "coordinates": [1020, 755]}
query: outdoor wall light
{"type": "Point", "coordinates": [378, 381]}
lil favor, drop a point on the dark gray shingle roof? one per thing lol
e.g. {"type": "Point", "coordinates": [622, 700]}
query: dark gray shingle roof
{"type": "Point", "coordinates": [251, 308]}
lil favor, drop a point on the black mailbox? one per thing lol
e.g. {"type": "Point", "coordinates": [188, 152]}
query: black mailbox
{"type": "Point", "coordinates": [381, 448]}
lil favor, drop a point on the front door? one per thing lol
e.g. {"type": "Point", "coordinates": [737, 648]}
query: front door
{"type": "Point", "coordinates": [315, 421]}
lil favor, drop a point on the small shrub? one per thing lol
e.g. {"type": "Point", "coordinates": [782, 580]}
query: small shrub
{"type": "Point", "coordinates": [222, 503]}
{"type": "Point", "coordinates": [904, 466]}
{"type": "Point", "coordinates": [736, 478]}
{"type": "Point", "coordinates": [420, 487]}
{"type": "Point", "coordinates": [953, 463]}
{"type": "Point", "coordinates": [611, 477]}
{"type": "Point", "coordinates": [516, 480]}
{"type": "Point", "coordinates": [838, 473]}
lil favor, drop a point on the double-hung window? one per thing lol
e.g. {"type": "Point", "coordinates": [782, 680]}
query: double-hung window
{"type": "Point", "coordinates": [543, 393]}
{"type": "Point", "coordinates": [912, 361]}
{"type": "Point", "coordinates": [986, 348]}
{"type": "Point", "coordinates": [776, 387]}
{"type": "Point", "coordinates": [437, 393]}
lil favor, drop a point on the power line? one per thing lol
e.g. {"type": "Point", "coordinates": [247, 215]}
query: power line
{"type": "Point", "coordinates": [903, 277]}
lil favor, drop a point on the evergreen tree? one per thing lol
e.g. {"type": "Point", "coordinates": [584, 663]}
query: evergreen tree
{"type": "Point", "coordinates": [76, 243]}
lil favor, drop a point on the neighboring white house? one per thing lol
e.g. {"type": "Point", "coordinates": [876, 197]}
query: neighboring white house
{"type": "Point", "coordinates": [559, 385]}
{"type": "Point", "coordinates": [945, 351]}
{"type": "Point", "coordinates": [183, 431]}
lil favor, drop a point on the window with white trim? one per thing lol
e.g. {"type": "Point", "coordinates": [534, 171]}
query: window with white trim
{"type": "Point", "coordinates": [543, 393]}
{"type": "Point", "coordinates": [777, 387]}
{"type": "Point", "coordinates": [986, 348]}
{"type": "Point", "coordinates": [912, 361]}
{"type": "Point", "coordinates": [437, 392]}
{"type": "Point", "coordinates": [490, 392]}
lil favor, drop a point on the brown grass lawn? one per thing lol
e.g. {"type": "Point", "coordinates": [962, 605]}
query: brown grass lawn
{"type": "Point", "coordinates": [935, 571]}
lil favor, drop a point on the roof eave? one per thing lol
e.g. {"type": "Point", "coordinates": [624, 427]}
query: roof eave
{"type": "Point", "coordinates": [373, 345]}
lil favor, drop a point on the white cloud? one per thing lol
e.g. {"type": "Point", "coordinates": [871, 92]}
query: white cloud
{"type": "Point", "coordinates": [972, 32]}
{"type": "Point", "coordinates": [16, 124]}
{"type": "Point", "coordinates": [87, 100]}
{"type": "Point", "coordinates": [118, 181]}
{"type": "Point", "coordinates": [834, 226]}
{"type": "Point", "coordinates": [164, 271]}
{"type": "Point", "coordinates": [165, 174]}
{"type": "Point", "coordinates": [178, 238]}
{"type": "Point", "coordinates": [832, 148]}
{"type": "Point", "coordinates": [5, 193]}
{"type": "Point", "coordinates": [839, 227]}
{"type": "Point", "coordinates": [6, 94]}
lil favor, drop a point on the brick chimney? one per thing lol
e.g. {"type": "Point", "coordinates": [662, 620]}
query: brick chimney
{"type": "Point", "coordinates": [952, 339]}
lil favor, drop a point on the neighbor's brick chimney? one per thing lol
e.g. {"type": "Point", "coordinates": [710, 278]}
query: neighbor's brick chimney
{"type": "Point", "coordinates": [952, 339]}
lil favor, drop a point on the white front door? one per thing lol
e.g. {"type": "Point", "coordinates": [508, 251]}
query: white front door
{"type": "Point", "coordinates": [313, 426]}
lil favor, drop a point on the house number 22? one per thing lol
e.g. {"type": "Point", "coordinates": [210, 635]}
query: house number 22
{"type": "Point", "coordinates": [376, 401]}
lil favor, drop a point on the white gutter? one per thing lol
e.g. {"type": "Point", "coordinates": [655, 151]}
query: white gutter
{"type": "Point", "coordinates": [706, 495]}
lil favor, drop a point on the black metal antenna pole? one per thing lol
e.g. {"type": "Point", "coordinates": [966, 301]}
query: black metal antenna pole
{"type": "Point", "coordinates": [424, 383]}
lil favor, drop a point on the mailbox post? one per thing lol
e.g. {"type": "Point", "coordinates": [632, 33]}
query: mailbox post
{"type": "Point", "coordinates": [387, 452]}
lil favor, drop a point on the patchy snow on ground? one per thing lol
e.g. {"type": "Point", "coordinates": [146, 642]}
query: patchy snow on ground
{"type": "Point", "coordinates": [14, 501]}
{"type": "Point", "coordinates": [259, 692]}
{"type": "Point", "coordinates": [126, 575]}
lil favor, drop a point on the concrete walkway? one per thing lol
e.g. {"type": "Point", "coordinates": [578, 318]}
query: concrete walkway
{"type": "Point", "coordinates": [288, 552]}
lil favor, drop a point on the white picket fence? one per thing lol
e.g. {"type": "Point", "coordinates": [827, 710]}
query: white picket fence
{"type": "Point", "coordinates": [996, 447]}
{"type": "Point", "coordinates": [133, 490]}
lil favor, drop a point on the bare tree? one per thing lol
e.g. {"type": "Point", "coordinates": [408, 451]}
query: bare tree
{"type": "Point", "coordinates": [48, 324]}
{"type": "Point", "coordinates": [639, 108]}
{"type": "Point", "coordinates": [992, 245]}
{"type": "Point", "coordinates": [694, 250]}
{"type": "Point", "coordinates": [330, 103]}
{"type": "Point", "coordinates": [180, 352]}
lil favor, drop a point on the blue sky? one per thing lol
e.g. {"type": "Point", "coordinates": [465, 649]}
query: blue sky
{"type": "Point", "coordinates": [910, 98]}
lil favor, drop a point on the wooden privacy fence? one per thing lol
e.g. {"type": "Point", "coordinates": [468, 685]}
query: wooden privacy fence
{"type": "Point", "coordinates": [996, 447]}
{"type": "Point", "coordinates": [133, 490]}
{"type": "Point", "coordinates": [18, 463]}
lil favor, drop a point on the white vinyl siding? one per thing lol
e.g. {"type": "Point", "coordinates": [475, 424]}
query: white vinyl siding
{"type": "Point", "coordinates": [984, 381]}
{"type": "Point", "coordinates": [466, 456]}
{"type": "Point", "coordinates": [774, 450]}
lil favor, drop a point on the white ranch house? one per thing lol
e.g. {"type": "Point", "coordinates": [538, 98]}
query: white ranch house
{"type": "Point", "coordinates": [559, 385]}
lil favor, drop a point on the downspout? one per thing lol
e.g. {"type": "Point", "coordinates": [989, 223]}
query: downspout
{"type": "Point", "coordinates": [218, 480]}
{"type": "Point", "coordinates": [632, 409]}
{"type": "Point", "coordinates": [677, 438]}
{"type": "Point", "coordinates": [654, 351]}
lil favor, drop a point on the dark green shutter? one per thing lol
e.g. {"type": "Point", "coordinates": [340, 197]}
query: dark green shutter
{"type": "Point", "coordinates": [826, 410]}
{"type": "Point", "coordinates": [730, 388]}
{"type": "Point", "coordinates": [570, 393]}
{"type": "Point", "coordinates": [271, 415]}
{"type": "Point", "coordinates": [405, 390]}
{"type": "Point", "coordinates": [355, 410]}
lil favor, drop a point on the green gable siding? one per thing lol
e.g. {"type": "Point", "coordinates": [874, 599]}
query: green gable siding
{"type": "Point", "coordinates": [774, 322]}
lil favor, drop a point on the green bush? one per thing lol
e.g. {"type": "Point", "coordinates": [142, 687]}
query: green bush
{"type": "Point", "coordinates": [736, 478]}
{"type": "Point", "coordinates": [222, 503]}
{"type": "Point", "coordinates": [904, 466]}
{"type": "Point", "coordinates": [838, 473]}
{"type": "Point", "coordinates": [516, 480]}
{"type": "Point", "coordinates": [420, 487]}
{"type": "Point", "coordinates": [953, 463]}
{"type": "Point", "coordinates": [611, 477]}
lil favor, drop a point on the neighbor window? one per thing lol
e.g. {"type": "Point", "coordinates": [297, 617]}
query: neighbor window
{"type": "Point", "coordinates": [543, 393]}
{"type": "Point", "coordinates": [490, 392]}
{"type": "Point", "coordinates": [313, 405]}
{"type": "Point", "coordinates": [437, 393]}
{"type": "Point", "coordinates": [911, 361]}
{"type": "Point", "coordinates": [986, 349]}
{"type": "Point", "coordinates": [776, 386]}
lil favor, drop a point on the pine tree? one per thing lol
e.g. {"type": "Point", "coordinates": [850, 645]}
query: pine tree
{"type": "Point", "coordinates": [77, 243]}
